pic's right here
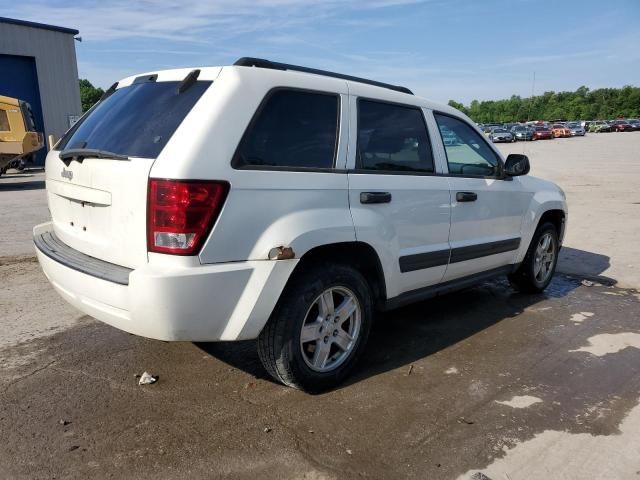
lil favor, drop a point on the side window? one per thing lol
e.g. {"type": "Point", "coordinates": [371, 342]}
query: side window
{"type": "Point", "coordinates": [392, 138]}
{"type": "Point", "coordinates": [467, 152]}
{"type": "Point", "coordinates": [4, 121]}
{"type": "Point", "coordinates": [293, 128]}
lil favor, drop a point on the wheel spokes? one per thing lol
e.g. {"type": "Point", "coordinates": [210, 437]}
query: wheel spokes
{"type": "Point", "coordinates": [342, 340]}
{"type": "Point", "coordinates": [546, 240]}
{"type": "Point", "coordinates": [537, 267]}
{"type": "Point", "coordinates": [345, 310]}
{"type": "Point", "coordinates": [326, 304]}
{"type": "Point", "coordinates": [321, 354]}
{"type": "Point", "coordinates": [310, 332]}
{"type": "Point", "coordinates": [334, 318]}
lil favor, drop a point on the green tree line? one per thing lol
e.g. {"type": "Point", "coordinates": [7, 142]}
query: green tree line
{"type": "Point", "coordinates": [89, 94]}
{"type": "Point", "coordinates": [583, 104]}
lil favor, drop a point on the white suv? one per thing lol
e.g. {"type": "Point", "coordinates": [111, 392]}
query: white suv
{"type": "Point", "coordinates": [280, 203]}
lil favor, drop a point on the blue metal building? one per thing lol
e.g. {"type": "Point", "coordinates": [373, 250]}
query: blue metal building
{"type": "Point", "coordinates": [38, 65]}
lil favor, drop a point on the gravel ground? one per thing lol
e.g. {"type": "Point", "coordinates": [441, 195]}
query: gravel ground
{"type": "Point", "coordinates": [515, 386]}
{"type": "Point", "coordinates": [600, 174]}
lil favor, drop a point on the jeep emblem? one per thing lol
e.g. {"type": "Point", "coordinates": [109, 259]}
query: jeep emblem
{"type": "Point", "coordinates": [68, 174]}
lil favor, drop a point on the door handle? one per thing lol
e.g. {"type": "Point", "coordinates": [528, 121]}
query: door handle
{"type": "Point", "coordinates": [375, 197]}
{"type": "Point", "coordinates": [466, 197]}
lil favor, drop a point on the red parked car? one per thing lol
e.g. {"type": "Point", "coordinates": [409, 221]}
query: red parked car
{"type": "Point", "coordinates": [621, 126]}
{"type": "Point", "coordinates": [542, 133]}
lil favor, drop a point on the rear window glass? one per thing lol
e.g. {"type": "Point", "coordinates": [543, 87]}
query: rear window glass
{"type": "Point", "coordinates": [293, 128]}
{"type": "Point", "coordinates": [137, 120]}
{"type": "Point", "coordinates": [392, 137]}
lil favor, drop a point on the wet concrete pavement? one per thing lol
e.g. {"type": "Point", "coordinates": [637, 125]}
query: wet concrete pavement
{"type": "Point", "coordinates": [423, 403]}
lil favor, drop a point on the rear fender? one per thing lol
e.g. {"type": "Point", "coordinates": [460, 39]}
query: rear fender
{"type": "Point", "coordinates": [305, 230]}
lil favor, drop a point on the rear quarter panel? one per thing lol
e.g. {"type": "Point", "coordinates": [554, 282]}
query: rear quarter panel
{"type": "Point", "coordinates": [264, 208]}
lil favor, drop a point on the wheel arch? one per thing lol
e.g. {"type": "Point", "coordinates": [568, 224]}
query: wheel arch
{"type": "Point", "coordinates": [360, 255]}
{"type": "Point", "coordinates": [555, 216]}
{"type": "Point", "coordinates": [544, 207]}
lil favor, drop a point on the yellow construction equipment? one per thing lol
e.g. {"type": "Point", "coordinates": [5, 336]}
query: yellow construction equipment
{"type": "Point", "coordinates": [18, 136]}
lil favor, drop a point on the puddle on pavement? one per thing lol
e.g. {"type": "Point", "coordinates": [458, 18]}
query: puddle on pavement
{"type": "Point", "coordinates": [561, 286]}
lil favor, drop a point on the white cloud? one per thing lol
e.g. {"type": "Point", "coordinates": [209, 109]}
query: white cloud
{"type": "Point", "coordinates": [187, 20]}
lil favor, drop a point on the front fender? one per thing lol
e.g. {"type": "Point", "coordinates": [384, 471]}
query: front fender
{"type": "Point", "coordinates": [542, 201]}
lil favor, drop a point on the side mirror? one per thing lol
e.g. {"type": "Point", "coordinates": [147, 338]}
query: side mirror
{"type": "Point", "coordinates": [516, 164]}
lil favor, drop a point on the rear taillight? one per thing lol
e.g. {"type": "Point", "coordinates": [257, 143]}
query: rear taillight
{"type": "Point", "coordinates": [180, 214]}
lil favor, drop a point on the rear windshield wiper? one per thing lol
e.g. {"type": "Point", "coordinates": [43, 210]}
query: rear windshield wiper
{"type": "Point", "coordinates": [81, 153]}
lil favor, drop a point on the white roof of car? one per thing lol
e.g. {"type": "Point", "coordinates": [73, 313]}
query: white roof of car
{"type": "Point", "coordinates": [288, 77]}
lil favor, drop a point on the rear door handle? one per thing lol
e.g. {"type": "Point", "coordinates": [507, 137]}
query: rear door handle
{"type": "Point", "coordinates": [466, 197]}
{"type": "Point", "coordinates": [375, 197]}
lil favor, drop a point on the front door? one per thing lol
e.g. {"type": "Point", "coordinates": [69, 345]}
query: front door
{"type": "Point", "coordinates": [486, 208]}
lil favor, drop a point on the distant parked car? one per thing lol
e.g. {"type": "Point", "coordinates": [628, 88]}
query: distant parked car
{"type": "Point", "coordinates": [520, 132]}
{"type": "Point", "coordinates": [599, 127]}
{"type": "Point", "coordinates": [621, 126]}
{"type": "Point", "coordinates": [501, 135]}
{"type": "Point", "coordinates": [635, 123]}
{"type": "Point", "coordinates": [560, 130]}
{"type": "Point", "coordinates": [576, 129]}
{"type": "Point", "coordinates": [487, 128]}
{"type": "Point", "coordinates": [542, 133]}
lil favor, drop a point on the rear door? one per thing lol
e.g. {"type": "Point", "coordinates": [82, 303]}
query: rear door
{"type": "Point", "coordinates": [486, 208]}
{"type": "Point", "coordinates": [398, 203]}
{"type": "Point", "coordinates": [98, 205]}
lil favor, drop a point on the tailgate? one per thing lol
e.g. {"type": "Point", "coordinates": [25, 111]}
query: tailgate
{"type": "Point", "coordinates": [98, 207]}
{"type": "Point", "coordinates": [97, 183]}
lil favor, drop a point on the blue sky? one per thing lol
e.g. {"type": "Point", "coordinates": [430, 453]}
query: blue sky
{"type": "Point", "coordinates": [455, 49]}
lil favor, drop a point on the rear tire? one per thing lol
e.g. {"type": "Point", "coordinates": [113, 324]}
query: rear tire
{"type": "Point", "coordinates": [319, 328]}
{"type": "Point", "coordinates": [539, 265]}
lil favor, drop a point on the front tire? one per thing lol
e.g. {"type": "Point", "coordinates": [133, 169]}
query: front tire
{"type": "Point", "coordinates": [318, 329]}
{"type": "Point", "coordinates": [539, 264]}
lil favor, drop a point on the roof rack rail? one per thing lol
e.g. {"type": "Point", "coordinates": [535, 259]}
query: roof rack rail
{"type": "Point", "coordinates": [262, 63]}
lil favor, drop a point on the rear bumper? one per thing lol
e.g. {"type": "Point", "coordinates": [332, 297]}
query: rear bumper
{"type": "Point", "coordinates": [164, 301]}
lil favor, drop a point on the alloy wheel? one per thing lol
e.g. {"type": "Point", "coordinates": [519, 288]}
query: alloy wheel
{"type": "Point", "coordinates": [544, 258]}
{"type": "Point", "coordinates": [331, 328]}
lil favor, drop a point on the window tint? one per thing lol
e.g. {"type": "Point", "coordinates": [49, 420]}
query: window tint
{"type": "Point", "coordinates": [137, 120]}
{"type": "Point", "coordinates": [4, 121]}
{"type": "Point", "coordinates": [392, 137]}
{"type": "Point", "coordinates": [293, 129]}
{"type": "Point", "coordinates": [468, 153]}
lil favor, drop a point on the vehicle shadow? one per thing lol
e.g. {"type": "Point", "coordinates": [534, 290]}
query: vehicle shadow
{"type": "Point", "coordinates": [27, 185]}
{"type": "Point", "coordinates": [401, 337]}
{"type": "Point", "coordinates": [587, 265]}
